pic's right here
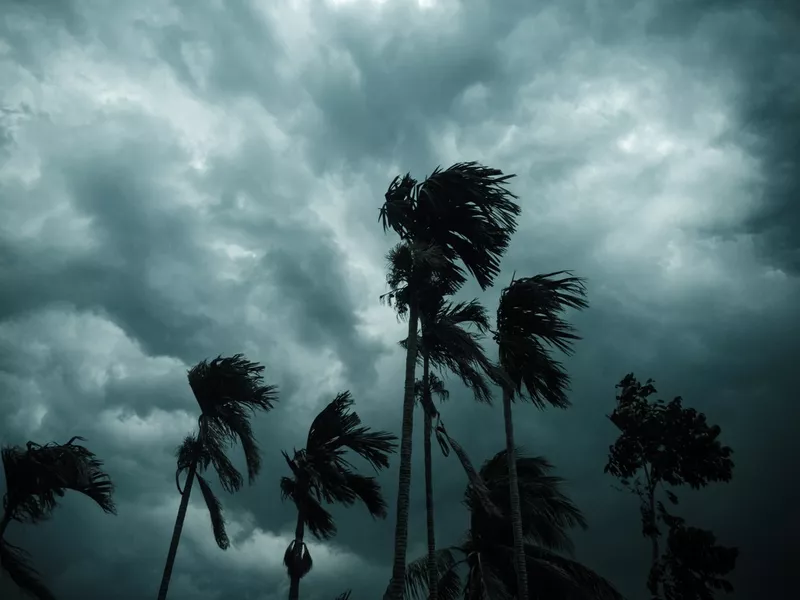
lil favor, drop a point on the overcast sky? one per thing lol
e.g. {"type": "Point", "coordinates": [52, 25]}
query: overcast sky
{"type": "Point", "coordinates": [181, 179]}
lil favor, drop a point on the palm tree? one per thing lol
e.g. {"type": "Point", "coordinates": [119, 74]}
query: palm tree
{"type": "Point", "coordinates": [528, 325]}
{"type": "Point", "coordinates": [35, 478]}
{"type": "Point", "coordinates": [463, 214]}
{"type": "Point", "coordinates": [487, 550]}
{"type": "Point", "coordinates": [228, 390]}
{"type": "Point", "coordinates": [320, 472]}
{"type": "Point", "coordinates": [447, 345]}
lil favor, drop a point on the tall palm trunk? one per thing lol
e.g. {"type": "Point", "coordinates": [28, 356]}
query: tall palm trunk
{"type": "Point", "coordinates": [176, 532]}
{"type": "Point", "coordinates": [433, 575]}
{"type": "Point", "coordinates": [516, 512]}
{"type": "Point", "coordinates": [397, 583]}
{"type": "Point", "coordinates": [299, 534]}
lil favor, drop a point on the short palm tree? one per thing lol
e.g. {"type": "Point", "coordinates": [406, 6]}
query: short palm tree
{"type": "Point", "coordinates": [463, 215]}
{"type": "Point", "coordinates": [486, 554]}
{"type": "Point", "coordinates": [320, 472]}
{"type": "Point", "coordinates": [36, 477]}
{"type": "Point", "coordinates": [228, 390]}
{"type": "Point", "coordinates": [528, 326]}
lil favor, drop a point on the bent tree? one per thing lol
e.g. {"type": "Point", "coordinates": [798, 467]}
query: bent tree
{"type": "Point", "coordinates": [462, 215]}
{"type": "Point", "coordinates": [665, 444]}
{"type": "Point", "coordinates": [36, 477]}
{"type": "Point", "coordinates": [228, 391]}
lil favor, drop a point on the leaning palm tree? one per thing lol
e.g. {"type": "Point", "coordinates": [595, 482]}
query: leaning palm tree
{"type": "Point", "coordinates": [228, 390]}
{"type": "Point", "coordinates": [528, 326]}
{"type": "Point", "coordinates": [463, 215]}
{"type": "Point", "coordinates": [486, 554]}
{"type": "Point", "coordinates": [35, 478]}
{"type": "Point", "coordinates": [320, 472]}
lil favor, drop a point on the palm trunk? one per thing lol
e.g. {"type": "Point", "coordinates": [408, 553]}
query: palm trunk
{"type": "Point", "coordinates": [176, 532]}
{"type": "Point", "coordinates": [397, 583]}
{"type": "Point", "coordinates": [516, 512]}
{"type": "Point", "coordinates": [433, 575]}
{"type": "Point", "coordinates": [299, 534]}
{"type": "Point", "coordinates": [4, 523]}
{"type": "Point", "coordinates": [653, 580]}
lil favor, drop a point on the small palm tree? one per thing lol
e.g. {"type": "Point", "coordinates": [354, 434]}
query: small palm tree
{"type": "Point", "coordinates": [486, 554]}
{"type": "Point", "coordinates": [35, 478]}
{"type": "Point", "coordinates": [463, 215]}
{"type": "Point", "coordinates": [228, 390]}
{"type": "Point", "coordinates": [528, 325]}
{"type": "Point", "coordinates": [320, 472]}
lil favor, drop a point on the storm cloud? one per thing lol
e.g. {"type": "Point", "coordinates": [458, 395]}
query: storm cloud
{"type": "Point", "coordinates": [185, 179]}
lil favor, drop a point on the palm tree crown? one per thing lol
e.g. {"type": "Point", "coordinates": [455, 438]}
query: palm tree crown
{"type": "Point", "coordinates": [486, 554]}
{"type": "Point", "coordinates": [528, 322]}
{"type": "Point", "coordinates": [322, 473]}
{"type": "Point", "coordinates": [36, 477]}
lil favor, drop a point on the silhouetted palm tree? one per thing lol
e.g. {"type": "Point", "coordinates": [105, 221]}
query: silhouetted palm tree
{"type": "Point", "coordinates": [447, 346]}
{"type": "Point", "coordinates": [461, 214]}
{"type": "Point", "coordinates": [35, 478]}
{"type": "Point", "coordinates": [528, 325]}
{"type": "Point", "coordinates": [228, 390]}
{"type": "Point", "coordinates": [486, 554]}
{"type": "Point", "coordinates": [320, 472]}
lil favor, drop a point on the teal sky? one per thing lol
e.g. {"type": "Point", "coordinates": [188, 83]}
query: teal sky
{"type": "Point", "coordinates": [181, 179]}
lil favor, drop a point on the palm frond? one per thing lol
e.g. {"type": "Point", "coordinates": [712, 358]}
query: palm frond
{"type": "Point", "coordinates": [547, 513]}
{"type": "Point", "coordinates": [36, 476]}
{"type": "Point", "coordinates": [318, 520]}
{"type": "Point", "coordinates": [229, 390]}
{"type": "Point", "coordinates": [336, 428]}
{"type": "Point", "coordinates": [465, 209]}
{"type": "Point", "coordinates": [416, 584]}
{"type": "Point", "coordinates": [528, 318]}
{"type": "Point", "coordinates": [16, 563]}
{"type": "Point", "coordinates": [560, 577]}
{"type": "Point", "coordinates": [344, 595]}
{"type": "Point", "coordinates": [215, 513]}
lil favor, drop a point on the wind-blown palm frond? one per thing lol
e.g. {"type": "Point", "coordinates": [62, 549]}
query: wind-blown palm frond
{"type": "Point", "coordinates": [215, 513]}
{"type": "Point", "coordinates": [448, 561]}
{"type": "Point", "coordinates": [229, 390]}
{"type": "Point", "coordinates": [547, 513]}
{"type": "Point", "coordinates": [38, 475]}
{"type": "Point", "coordinates": [451, 347]}
{"type": "Point", "coordinates": [15, 562]}
{"type": "Point", "coordinates": [527, 321]}
{"type": "Point", "coordinates": [465, 209]}
{"type": "Point", "coordinates": [344, 595]}
{"type": "Point", "coordinates": [336, 429]}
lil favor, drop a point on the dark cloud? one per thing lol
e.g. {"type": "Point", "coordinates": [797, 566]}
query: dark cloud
{"type": "Point", "coordinates": [182, 180]}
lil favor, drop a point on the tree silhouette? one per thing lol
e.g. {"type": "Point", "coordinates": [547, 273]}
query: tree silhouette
{"type": "Point", "coordinates": [320, 472]}
{"type": "Point", "coordinates": [448, 346]}
{"type": "Point", "coordinates": [528, 326]}
{"type": "Point", "coordinates": [671, 445]}
{"type": "Point", "coordinates": [36, 477]}
{"type": "Point", "coordinates": [487, 553]}
{"type": "Point", "coordinates": [228, 390]}
{"type": "Point", "coordinates": [463, 215]}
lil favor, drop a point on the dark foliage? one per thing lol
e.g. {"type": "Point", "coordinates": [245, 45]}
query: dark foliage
{"type": "Point", "coordinates": [321, 473]}
{"type": "Point", "coordinates": [465, 210]}
{"type": "Point", "coordinates": [670, 444]}
{"type": "Point", "coordinates": [481, 568]}
{"type": "Point", "coordinates": [528, 326]}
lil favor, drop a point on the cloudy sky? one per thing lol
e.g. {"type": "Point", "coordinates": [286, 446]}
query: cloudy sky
{"type": "Point", "coordinates": [180, 179]}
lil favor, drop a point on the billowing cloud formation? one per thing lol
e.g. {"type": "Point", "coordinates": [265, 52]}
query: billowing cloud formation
{"type": "Point", "coordinates": [180, 180]}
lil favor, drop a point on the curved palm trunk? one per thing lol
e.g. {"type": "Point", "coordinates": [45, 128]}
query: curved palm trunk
{"type": "Point", "coordinates": [516, 512]}
{"type": "Point", "coordinates": [433, 575]}
{"type": "Point", "coordinates": [176, 532]}
{"type": "Point", "coordinates": [299, 534]}
{"type": "Point", "coordinates": [397, 583]}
